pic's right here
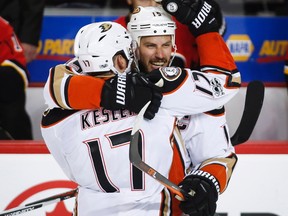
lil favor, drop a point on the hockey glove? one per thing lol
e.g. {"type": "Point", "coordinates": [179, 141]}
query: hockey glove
{"type": "Point", "coordinates": [222, 27]}
{"type": "Point", "coordinates": [199, 15]}
{"type": "Point", "coordinates": [130, 92]}
{"type": "Point", "coordinates": [203, 189]}
{"type": "Point", "coordinates": [156, 89]}
{"type": "Point", "coordinates": [168, 78]}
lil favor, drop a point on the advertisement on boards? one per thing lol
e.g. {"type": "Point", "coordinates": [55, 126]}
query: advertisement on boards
{"type": "Point", "coordinates": [258, 45]}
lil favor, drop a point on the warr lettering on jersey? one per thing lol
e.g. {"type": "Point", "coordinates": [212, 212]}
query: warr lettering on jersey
{"type": "Point", "coordinates": [101, 116]}
{"type": "Point", "coordinates": [121, 88]}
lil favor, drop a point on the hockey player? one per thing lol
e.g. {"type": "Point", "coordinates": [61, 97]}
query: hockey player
{"type": "Point", "coordinates": [224, 180]}
{"type": "Point", "coordinates": [186, 54]}
{"type": "Point", "coordinates": [91, 145]}
{"type": "Point", "coordinates": [14, 120]}
{"type": "Point", "coordinates": [195, 181]}
{"type": "Point", "coordinates": [203, 131]}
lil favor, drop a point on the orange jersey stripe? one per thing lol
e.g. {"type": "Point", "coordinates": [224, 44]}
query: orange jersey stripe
{"type": "Point", "coordinates": [84, 92]}
{"type": "Point", "coordinates": [176, 175]}
{"type": "Point", "coordinates": [219, 172]}
{"type": "Point", "coordinates": [218, 55]}
{"type": "Point", "coordinates": [221, 169]}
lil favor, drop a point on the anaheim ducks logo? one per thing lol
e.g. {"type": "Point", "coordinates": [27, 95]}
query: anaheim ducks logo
{"type": "Point", "coordinates": [170, 73]}
{"type": "Point", "coordinates": [136, 10]}
{"type": "Point", "coordinates": [105, 27]}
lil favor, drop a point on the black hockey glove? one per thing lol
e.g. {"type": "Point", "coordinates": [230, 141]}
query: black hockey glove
{"type": "Point", "coordinates": [222, 27]}
{"type": "Point", "coordinates": [156, 93]}
{"type": "Point", "coordinates": [130, 92]}
{"type": "Point", "coordinates": [203, 189]}
{"type": "Point", "coordinates": [199, 15]}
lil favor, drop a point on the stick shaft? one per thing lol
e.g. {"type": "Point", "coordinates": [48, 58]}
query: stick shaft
{"type": "Point", "coordinates": [40, 203]}
{"type": "Point", "coordinates": [137, 161]}
{"type": "Point", "coordinates": [252, 109]}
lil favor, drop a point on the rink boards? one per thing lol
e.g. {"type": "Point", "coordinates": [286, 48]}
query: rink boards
{"type": "Point", "coordinates": [258, 186]}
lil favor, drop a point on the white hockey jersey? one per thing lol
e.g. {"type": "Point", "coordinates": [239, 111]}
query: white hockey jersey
{"type": "Point", "coordinates": [92, 145]}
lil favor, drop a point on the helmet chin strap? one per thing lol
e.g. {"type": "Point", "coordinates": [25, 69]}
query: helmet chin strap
{"type": "Point", "coordinates": [173, 55]}
{"type": "Point", "coordinates": [135, 60]}
{"type": "Point", "coordinates": [128, 69]}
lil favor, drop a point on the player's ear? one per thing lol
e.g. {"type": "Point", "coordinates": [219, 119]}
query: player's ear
{"type": "Point", "coordinates": [120, 63]}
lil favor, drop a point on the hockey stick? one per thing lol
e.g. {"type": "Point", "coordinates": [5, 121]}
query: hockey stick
{"type": "Point", "coordinates": [252, 108]}
{"type": "Point", "coordinates": [253, 104]}
{"type": "Point", "coordinates": [136, 160]}
{"type": "Point", "coordinates": [40, 203]}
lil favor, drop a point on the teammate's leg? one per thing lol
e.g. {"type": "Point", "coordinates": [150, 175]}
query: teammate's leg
{"type": "Point", "coordinates": [13, 116]}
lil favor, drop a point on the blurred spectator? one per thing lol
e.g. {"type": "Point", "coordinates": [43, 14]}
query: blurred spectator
{"type": "Point", "coordinates": [25, 16]}
{"type": "Point", "coordinates": [14, 120]}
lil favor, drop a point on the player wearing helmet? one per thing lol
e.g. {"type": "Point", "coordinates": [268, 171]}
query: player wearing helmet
{"type": "Point", "coordinates": [144, 33]}
{"type": "Point", "coordinates": [155, 37]}
{"type": "Point", "coordinates": [91, 46]}
{"type": "Point", "coordinates": [94, 152]}
{"type": "Point", "coordinates": [186, 54]}
{"type": "Point", "coordinates": [95, 56]}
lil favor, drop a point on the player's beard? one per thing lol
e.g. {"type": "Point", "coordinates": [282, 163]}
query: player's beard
{"type": "Point", "coordinates": [152, 65]}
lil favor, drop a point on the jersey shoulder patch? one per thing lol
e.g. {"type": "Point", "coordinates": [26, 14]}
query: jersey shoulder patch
{"type": "Point", "coordinates": [173, 78]}
{"type": "Point", "coordinates": [170, 73]}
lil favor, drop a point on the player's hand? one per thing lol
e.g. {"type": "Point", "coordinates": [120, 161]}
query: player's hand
{"type": "Point", "coordinates": [199, 15]}
{"type": "Point", "coordinates": [156, 90]}
{"type": "Point", "coordinates": [130, 92]}
{"type": "Point", "coordinates": [167, 78]}
{"type": "Point", "coordinates": [222, 27]}
{"type": "Point", "coordinates": [203, 194]}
